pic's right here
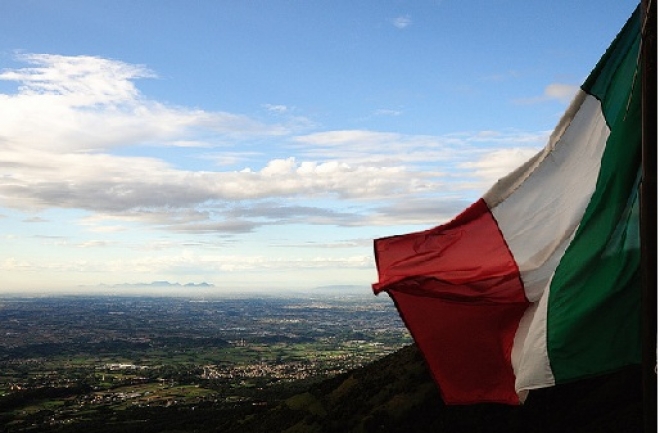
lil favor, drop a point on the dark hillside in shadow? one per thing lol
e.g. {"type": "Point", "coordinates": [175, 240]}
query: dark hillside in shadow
{"type": "Point", "coordinates": [396, 394]}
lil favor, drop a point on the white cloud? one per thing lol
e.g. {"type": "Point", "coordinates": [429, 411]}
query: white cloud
{"type": "Point", "coordinates": [387, 112]}
{"type": "Point", "coordinates": [12, 264]}
{"type": "Point", "coordinates": [34, 219]}
{"type": "Point", "coordinates": [84, 103]}
{"type": "Point", "coordinates": [425, 211]}
{"type": "Point", "coordinates": [81, 80]}
{"type": "Point", "coordinates": [277, 108]}
{"type": "Point", "coordinates": [187, 261]}
{"type": "Point", "coordinates": [70, 113]}
{"type": "Point", "coordinates": [495, 164]}
{"type": "Point", "coordinates": [352, 243]}
{"type": "Point", "coordinates": [402, 22]}
{"type": "Point", "coordinates": [399, 150]}
{"type": "Point", "coordinates": [229, 157]}
{"type": "Point", "coordinates": [563, 93]}
{"type": "Point", "coordinates": [94, 244]}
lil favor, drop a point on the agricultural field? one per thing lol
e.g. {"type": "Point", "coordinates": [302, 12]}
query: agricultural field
{"type": "Point", "coordinates": [68, 361]}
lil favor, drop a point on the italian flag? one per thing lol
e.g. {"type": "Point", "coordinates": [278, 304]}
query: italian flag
{"type": "Point", "coordinates": [538, 282]}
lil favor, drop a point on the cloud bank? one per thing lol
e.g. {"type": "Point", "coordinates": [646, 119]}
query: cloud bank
{"type": "Point", "coordinates": [69, 131]}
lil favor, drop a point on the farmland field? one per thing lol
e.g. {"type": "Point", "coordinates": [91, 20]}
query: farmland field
{"type": "Point", "coordinates": [70, 361]}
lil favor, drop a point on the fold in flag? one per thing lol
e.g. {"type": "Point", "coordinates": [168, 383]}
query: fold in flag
{"type": "Point", "coordinates": [538, 282]}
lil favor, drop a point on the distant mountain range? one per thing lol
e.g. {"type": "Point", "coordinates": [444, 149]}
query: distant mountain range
{"type": "Point", "coordinates": [175, 288]}
{"type": "Point", "coordinates": [160, 284]}
{"type": "Point", "coordinates": [157, 284]}
{"type": "Point", "coordinates": [357, 289]}
{"type": "Point", "coordinates": [344, 288]}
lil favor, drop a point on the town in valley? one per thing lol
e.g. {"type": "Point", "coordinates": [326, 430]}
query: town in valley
{"type": "Point", "coordinates": [70, 359]}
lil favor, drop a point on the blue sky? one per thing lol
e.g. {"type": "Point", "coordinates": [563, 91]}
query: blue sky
{"type": "Point", "coordinates": [263, 145]}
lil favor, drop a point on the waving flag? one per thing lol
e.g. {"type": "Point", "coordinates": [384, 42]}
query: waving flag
{"type": "Point", "coordinates": [538, 282]}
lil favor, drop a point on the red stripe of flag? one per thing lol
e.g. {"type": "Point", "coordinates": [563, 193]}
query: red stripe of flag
{"type": "Point", "coordinates": [459, 291]}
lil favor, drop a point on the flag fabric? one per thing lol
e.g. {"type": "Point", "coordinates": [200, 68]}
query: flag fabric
{"type": "Point", "coordinates": [538, 282]}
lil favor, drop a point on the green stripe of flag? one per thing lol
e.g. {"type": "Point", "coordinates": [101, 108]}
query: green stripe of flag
{"type": "Point", "coordinates": [611, 80]}
{"type": "Point", "coordinates": [596, 288]}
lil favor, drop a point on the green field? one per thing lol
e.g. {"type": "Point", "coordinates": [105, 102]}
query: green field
{"type": "Point", "coordinates": [157, 356]}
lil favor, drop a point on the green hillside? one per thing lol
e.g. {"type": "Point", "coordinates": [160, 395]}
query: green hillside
{"type": "Point", "coordinates": [396, 394]}
{"type": "Point", "coordinates": [392, 395]}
